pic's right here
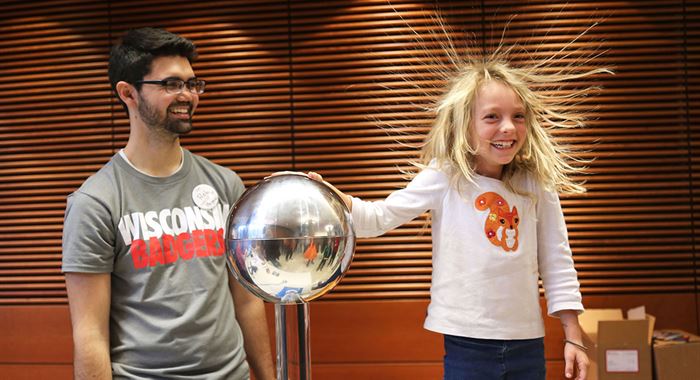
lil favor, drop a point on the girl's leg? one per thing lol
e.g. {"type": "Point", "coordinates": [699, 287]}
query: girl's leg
{"type": "Point", "coordinates": [524, 359]}
{"type": "Point", "coordinates": [473, 359]}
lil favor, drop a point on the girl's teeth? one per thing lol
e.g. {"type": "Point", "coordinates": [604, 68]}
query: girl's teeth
{"type": "Point", "coordinates": [502, 145]}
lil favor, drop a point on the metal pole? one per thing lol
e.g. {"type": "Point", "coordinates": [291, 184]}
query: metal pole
{"type": "Point", "coordinates": [304, 341]}
{"type": "Point", "coordinates": [281, 341]}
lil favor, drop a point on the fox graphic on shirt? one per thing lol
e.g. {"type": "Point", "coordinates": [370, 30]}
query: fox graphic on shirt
{"type": "Point", "coordinates": [501, 225]}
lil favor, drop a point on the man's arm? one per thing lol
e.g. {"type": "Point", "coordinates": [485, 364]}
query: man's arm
{"type": "Point", "coordinates": [250, 313]}
{"type": "Point", "coordinates": [89, 300]}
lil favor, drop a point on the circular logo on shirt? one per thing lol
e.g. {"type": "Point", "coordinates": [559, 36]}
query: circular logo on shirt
{"type": "Point", "coordinates": [205, 196]}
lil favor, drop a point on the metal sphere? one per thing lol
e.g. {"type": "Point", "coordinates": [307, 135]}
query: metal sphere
{"type": "Point", "coordinates": [289, 239]}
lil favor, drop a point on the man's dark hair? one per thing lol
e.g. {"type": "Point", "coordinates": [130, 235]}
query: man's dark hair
{"type": "Point", "coordinates": [131, 59]}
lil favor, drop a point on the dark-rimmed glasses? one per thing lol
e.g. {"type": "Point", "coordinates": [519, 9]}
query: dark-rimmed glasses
{"type": "Point", "coordinates": [176, 86]}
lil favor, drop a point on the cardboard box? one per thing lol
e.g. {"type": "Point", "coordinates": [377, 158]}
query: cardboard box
{"type": "Point", "coordinates": [619, 348]}
{"type": "Point", "coordinates": [676, 359]}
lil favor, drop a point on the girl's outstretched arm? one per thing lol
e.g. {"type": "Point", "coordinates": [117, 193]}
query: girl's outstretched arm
{"type": "Point", "coordinates": [374, 218]}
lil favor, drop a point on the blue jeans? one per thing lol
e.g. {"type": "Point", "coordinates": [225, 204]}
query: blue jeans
{"type": "Point", "coordinates": [490, 359]}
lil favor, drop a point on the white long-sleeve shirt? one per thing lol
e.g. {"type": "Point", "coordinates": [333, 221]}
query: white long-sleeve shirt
{"type": "Point", "coordinates": [480, 289]}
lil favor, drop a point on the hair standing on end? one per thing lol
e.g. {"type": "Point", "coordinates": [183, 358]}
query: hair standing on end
{"type": "Point", "coordinates": [552, 165]}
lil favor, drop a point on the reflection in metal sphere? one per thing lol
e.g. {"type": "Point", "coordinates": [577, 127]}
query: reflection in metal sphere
{"type": "Point", "coordinates": [289, 239]}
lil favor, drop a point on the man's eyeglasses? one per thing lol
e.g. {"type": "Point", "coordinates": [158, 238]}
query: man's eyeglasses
{"type": "Point", "coordinates": [176, 86]}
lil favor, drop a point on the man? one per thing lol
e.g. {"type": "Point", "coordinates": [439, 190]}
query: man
{"type": "Point", "coordinates": [143, 246]}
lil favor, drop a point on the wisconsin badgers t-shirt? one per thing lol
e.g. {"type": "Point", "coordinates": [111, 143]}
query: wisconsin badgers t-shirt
{"type": "Point", "coordinates": [162, 240]}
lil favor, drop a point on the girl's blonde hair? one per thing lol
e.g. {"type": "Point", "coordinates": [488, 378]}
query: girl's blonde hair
{"type": "Point", "coordinates": [551, 164]}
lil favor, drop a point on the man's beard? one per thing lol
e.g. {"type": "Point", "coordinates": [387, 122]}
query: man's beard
{"type": "Point", "coordinates": [165, 122]}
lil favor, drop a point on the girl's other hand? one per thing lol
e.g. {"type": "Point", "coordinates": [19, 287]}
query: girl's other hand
{"type": "Point", "coordinates": [576, 358]}
{"type": "Point", "coordinates": [346, 198]}
{"type": "Point", "coordinates": [285, 172]}
{"type": "Point", "coordinates": [317, 177]}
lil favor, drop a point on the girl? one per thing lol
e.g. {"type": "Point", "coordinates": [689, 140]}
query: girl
{"type": "Point", "coordinates": [489, 176]}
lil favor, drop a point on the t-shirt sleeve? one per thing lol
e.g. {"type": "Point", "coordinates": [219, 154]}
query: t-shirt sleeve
{"type": "Point", "coordinates": [88, 236]}
{"type": "Point", "coordinates": [237, 187]}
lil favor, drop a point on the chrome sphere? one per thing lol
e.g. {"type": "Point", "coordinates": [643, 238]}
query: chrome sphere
{"type": "Point", "coordinates": [289, 239]}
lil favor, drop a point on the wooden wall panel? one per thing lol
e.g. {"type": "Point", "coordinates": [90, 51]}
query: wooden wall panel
{"type": "Point", "coordinates": [35, 335]}
{"type": "Point", "coordinates": [349, 339]}
{"type": "Point", "coordinates": [55, 130]}
{"type": "Point", "coordinates": [36, 371]}
{"type": "Point", "coordinates": [378, 371]}
{"type": "Point", "coordinates": [341, 87]}
{"type": "Point", "coordinates": [371, 331]}
{"type": "Point", "coordinates": [692, 68]}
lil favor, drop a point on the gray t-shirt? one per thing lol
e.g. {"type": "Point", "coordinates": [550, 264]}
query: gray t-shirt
{"type": "Point", "coordinates": [162, 239]}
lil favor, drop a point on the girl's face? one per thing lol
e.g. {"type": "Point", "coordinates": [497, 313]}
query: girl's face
{"type": "Point", "coordinates": [498, 128]}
